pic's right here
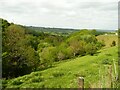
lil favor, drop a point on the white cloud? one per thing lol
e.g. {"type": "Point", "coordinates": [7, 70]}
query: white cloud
{"type": "Point", "coordinates": [62, 13]}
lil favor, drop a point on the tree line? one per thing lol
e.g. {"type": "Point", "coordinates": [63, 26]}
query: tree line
{"type": "Point", "coordinates": [25, 51]}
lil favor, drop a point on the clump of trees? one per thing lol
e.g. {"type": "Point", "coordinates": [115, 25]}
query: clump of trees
{"type": "Point", "coordinates": [78, 44]}
{"type": "Point", "coordinates": [18, 56]}
{"type": "Point", "coordinates": [113, 43]}
{"type": "Point", "coordinates": [24, 50]}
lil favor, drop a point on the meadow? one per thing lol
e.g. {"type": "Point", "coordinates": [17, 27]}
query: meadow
{"type": "Point", "coordinates": [37, 59]}
{"type": "Point", "coordinates": [94, 69]}
{"type": "Point", "coordinates": [108, 39]}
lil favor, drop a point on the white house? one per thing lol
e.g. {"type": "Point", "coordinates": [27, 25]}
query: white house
{"type": "Point", "coordinates": [116, 33]}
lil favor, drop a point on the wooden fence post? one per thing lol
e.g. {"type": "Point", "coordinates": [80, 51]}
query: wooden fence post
{"type": "Point", "coordinates": [110, 75]}
{"type": "Point", "coordinates": [81, 83]}
{"type": "Point", "coordinates": [116, 75]}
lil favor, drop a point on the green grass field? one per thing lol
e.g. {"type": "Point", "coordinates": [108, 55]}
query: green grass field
{"type": "Point", "coordinates": [108, 39]}
{"type": "Point", "coordinates": [95, 70]}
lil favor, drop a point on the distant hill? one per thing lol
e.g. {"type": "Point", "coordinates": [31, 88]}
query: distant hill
{"type": "Point", "coordinates": [61, 30]}
{"type": "Point", "coordinates": [105, 30]}
{"type": "Point", "coordinates": [58, 30]}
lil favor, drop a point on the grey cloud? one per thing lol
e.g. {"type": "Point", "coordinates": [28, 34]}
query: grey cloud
{"type": "Point", "coordinates": [18, 8]}
{"type": "Point", "coordinates": [86, 5]}
{"type": "Point", "coordinates": [110, 7]}
{"type": "Point", "coordinates": [98, 5]}
{"type": "Point", "coordinates": [71, 13]}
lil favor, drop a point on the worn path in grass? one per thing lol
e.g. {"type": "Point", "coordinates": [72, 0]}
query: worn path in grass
{"type": "Point", "coordinates": [65, 74]}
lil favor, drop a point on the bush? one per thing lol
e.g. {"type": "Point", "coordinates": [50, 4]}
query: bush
{"type": "Point", "coordinates": [58, 74]}
{"type": "Point", "coordinates": [19, 58]}
{"type": "Point", "coordinates": [37, 79]}
{"type": "Point", "coordinates": [17, 82]}
{"type": "Point", "coordinates": [48, 56]}
{"type": "Point", "coordinates": [113, 43]}
{"type": "Point", "coordinates": [107, 61]}
{"type": "Point", "coordinates": [90, 48]}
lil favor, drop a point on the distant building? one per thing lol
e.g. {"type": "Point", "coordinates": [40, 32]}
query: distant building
{"type": "Point", "coordinates": [116, 33]}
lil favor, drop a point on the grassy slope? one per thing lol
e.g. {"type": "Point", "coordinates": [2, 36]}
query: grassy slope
{"type": "Point", "coordinates": [65, 74]}
{"type": "Point", "coordinates": [108, 39]}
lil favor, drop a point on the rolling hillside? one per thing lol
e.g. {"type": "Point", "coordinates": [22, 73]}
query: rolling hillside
{"type": "Point", "coordinates": [33, 59]}
{"type": "Point", "coordinates": [95, 70]}
{"type": "Point", "coordinates": [108, 39]}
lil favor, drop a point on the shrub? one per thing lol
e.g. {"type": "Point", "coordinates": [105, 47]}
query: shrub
{"type": "Point", "coordinates": [58, 74]}
{"type": "Point", "coordinates": [113, 43]}
{"type": "Point", "coordinates": [90, 48]}
{"type": "Point", "coordinates": [48, 56]}
{"type": "Point", "coordinates": [37, 79]}
{"type": "Point", "coordinates": [37, 74]}
{"type": "Point", "coordinates": [107, 61]}
{"type": "Point", "coordinates": [17, 82]}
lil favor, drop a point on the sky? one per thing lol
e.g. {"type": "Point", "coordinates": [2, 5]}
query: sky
{"type": "Point", "coordinates": [79, 14]}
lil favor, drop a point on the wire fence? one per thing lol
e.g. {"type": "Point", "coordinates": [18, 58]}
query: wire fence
{"type": "Point", "coordinates": [108, 76]}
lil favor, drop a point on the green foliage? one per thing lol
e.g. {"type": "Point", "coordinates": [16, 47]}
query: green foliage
{"type": "Point", "coordinates": [107, 61]}
{"type": "Point", "coordinates": [79, 43]}
{"type": "Point", "coordinates": [34, 33]}
{"type": "Point", "coordinates": [62, 52]}
{"type": "Point", "coordinates": [26, 49]}
{"type": "Point", "coordinates": [99, 45]}
{"type": "Point", "coordinates": [16, 82]}
{"type": "Point", "coordinates": [65, 74]}
{"type": "Point", "coordinates": [54, 40]}
{"type": "Point", "coordinates": [107, 40]}
{"type": "Point", "coordinates": [33, 41]}
{"type": "Point", "coordinates": [90, 49]}
{"type": "Point", "coordinates": [83, 43]}
{"type": "Point", "coordinates": [18, 58]}
{"type": "Point", "coordinates": [113, 43]}
{"type": "Point", "coordinates": [5, 24]}
{"type": "Point", "coordinates": [57, 74]}
{"type": "Point", "coordinates": [47, 56]}
{"type": "Point", "coordinates": [96, 33]}
{"type": "Point", "coordinates": [61, 31]}
{"type": "Point", "coordinates": [37, 79]}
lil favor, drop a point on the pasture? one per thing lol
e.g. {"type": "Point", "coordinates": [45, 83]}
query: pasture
{"type": "Point", "coordinates": [108, 39]}
{"type": "Point", "coordinates": [64, 74]}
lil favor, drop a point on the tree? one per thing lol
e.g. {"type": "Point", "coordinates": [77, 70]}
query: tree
{"type": "Point", "coordinates": [47, 56]}
{"type": "Point", "coordinates": [5, 24]}
{"type": "Point", "coordinates": [31, 40]}
{"type": "Point", "coordinates": [90, 48]}
{"type": "Point", "coordinates": [61, 53]}
{"type": "Point", "coordinates": [113, 43]}
{"type": "Point", "coordinates": [99, 45]}
{"type": "Point", "coordinates": [18, 58]}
